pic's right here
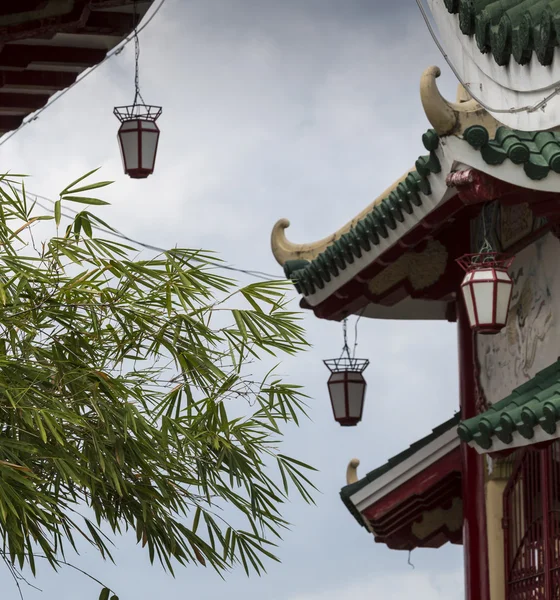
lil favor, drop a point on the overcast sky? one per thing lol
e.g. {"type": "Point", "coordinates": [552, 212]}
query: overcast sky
{"type": "Point", "coordinates": [305, 109]}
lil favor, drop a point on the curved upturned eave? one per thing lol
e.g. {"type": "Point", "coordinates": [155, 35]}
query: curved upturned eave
{"type": "Point", "coordinates": [454, 154]}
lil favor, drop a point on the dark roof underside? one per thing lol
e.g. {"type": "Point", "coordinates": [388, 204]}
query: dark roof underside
{"type": "Point", "coordinates": [46, 44]}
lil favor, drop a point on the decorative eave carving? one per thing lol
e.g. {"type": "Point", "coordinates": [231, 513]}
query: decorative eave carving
{"type": "Point", "coordinates": [452, 118]}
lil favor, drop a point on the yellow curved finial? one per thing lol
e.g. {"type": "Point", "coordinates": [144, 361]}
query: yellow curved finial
{"type": "Point", "coordinates": [352, 471]}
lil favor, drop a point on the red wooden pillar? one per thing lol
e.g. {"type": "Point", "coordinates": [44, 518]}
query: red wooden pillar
{"type": "Point", "coordinates": [475, 543]}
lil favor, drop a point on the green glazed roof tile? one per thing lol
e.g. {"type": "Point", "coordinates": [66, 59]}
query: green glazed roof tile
{"type": "Point", "coordinates": [510, 28]}
{"type": "Point", "coordinates": [386, 216]}
{"type": "Point", "coordinates": [538, 153]}
{"type": "Point", "coordinates": [533, 404]}
{"type": "Point", "coordinates": [348, 490]}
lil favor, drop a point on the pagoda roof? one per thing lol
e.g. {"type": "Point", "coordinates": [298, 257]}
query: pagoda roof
{"type": "Point", "coordinates": [529, 415]}
{"type": "Point", "coordinates": [410, 199]}
{"type": "Point", "coordinates": [46, 44]}
{"type": "Point", "coordinates": [421, 484]}
{"type": "Point", "coordinates": [417, 206]}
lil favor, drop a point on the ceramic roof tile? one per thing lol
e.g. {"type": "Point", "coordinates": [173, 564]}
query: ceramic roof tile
{"type": "Point", "coordinates": [537, 151]}
{"type": "Point", "coordinates": [533, 404]}
{"type": "Point", "coordinates": [510, 28]}
{"type": "Point", "coordinates": [369, 231]}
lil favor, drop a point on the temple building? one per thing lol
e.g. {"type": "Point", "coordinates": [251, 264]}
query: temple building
{"type": "Point", "coordinates": [484, 198]}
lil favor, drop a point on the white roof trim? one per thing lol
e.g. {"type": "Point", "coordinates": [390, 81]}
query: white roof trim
{"type": "Point", "coordinates": [401, 473]}
{"type": "Point", "coordinates": [499, 87]}
{"type": "Point", "coordinates": [453, 153]}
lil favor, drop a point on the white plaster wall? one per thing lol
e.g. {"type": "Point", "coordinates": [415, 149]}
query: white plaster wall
{"type": "Point", "coordinates": [531, 339]}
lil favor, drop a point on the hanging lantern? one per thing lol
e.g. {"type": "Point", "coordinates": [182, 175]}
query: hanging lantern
{"type": "Point", "coordinates": [487, 289]}
{"type": "Point", "coordinates": [138, 138]}
{"type": "Point", "coordinates": [138, 134]}
{"type": "Point", "coordinates": [347, 389]}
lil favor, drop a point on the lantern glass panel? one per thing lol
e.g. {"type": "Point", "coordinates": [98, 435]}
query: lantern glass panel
{"type": "Point", "coordinates": [484, 299]}
{"type": "Point", "coordinates": [467, 295]}
{"type": "Point", "coordinates": [336, 391]}
{"type": "Point", "coordinates": [356, 391]}
{"type": "Point", "coordinates": [150, 135]}
{"type": "Point", "coordinates": [502, 302]}
{"type": "Point", "coordinates": [129, 148]}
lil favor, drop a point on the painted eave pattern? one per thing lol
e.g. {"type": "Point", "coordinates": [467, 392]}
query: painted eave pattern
{"type": "Point", "coordinates": [510, 28]}
{"type": "Point", "coordinates": [528, 415]}
{"type": "Point", "coordinates": [537, 152]}
{"type": "Point", "coordinates": [349, 490]}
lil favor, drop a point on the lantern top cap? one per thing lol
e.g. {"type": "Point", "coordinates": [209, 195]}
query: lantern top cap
{"type": "Point", "coordinates": [144, 112]}
{"type": "Point", "coordinates": [346, 363]}
{"type": "Point", "coordinates": [485, 260]}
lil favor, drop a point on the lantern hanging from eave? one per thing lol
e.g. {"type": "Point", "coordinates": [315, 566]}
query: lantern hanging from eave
{"type": "Point", "coordinates": [487, 289]}
{"type": "Point", "coordinates": [347, 389]}
{"type": "Point", "coordinates": [138, 138]}
{"type": "Point", "coordinates": [138, 135]}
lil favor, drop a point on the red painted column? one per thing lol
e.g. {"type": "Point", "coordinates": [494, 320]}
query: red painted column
{"type": "Point", "coordinates": [475, 543]}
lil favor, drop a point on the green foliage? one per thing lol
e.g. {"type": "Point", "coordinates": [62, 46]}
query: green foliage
{"type": "Point", "coordinates": [118, 378]}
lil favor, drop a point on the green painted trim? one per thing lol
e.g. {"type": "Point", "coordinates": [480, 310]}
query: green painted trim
{"type": "Point", "coordinates": [369, 231]}
{"type": "Point", "coordinates": [350, 490]}
{"type": "Point", "coordinates": [510, 28]}
{"type": "Point", "coordinates": [536, 402]}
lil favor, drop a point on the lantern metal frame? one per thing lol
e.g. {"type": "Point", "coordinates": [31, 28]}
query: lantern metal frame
{"type": "Point", "coordinates": [352, 368]}
{"type": "Point", "coordinates": [494, 263]}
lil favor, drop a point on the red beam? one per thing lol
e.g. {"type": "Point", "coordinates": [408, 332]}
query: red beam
{"type": "Point", "coordinates": [474, 527]}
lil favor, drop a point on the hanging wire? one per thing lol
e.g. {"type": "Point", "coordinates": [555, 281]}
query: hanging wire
{"type": "Point", "coordinates": [137, 92]}
{"type": "Point", "coordinates": [486, 247]}
{"type": "Point", "coordinates": [356, 332]}
{"type": "Point", "coordinates": [118, 234]}
{"type": "Point", "coordinates": [345, 348]}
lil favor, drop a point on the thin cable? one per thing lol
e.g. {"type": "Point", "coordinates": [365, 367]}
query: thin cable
{"type": "Point", "coordinates": [116, 233]}
{"type": "Point", "coordinates": [356, 332]}
{"type": "Point", "coordinates": [137, 92]}
{"type": "Point", "coordinates": [116, 50]}
{"type": "Point", "coordinates": [529, 109]}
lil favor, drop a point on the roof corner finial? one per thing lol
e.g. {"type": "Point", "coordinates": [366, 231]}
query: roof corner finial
{"type": "Point", "coordinates": [439, 111]}
{"type": "Point", "coordinates": [352, 471]}
{"type": "Point", "coordinates": [280, 245]}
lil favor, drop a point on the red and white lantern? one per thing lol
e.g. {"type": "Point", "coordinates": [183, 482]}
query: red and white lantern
{"type": "Point", "coordinates": [487, 289]}
{"type": "Point", "coordinates": [138, 139]}
{"type": "Point", "coordinates": [347, 389]}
